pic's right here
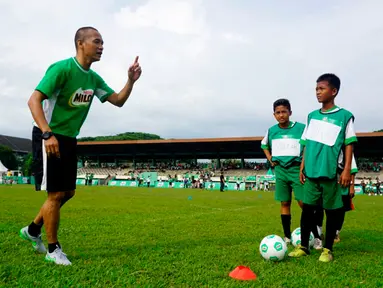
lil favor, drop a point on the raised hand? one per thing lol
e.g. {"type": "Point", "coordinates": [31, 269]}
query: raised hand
{"type": "Point", "coordinates": [134, 71]}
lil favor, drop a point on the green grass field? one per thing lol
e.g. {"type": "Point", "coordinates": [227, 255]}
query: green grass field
{"type": "Point", "coordinates": [126, 237]}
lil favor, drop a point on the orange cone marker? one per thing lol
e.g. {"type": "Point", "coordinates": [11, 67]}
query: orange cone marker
{"type": "Point", "coordinates": [243, 273]}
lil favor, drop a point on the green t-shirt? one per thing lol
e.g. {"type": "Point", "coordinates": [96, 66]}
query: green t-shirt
{"type": "Point", "coordinates": [70, 90]}
{"type": "Point", "coordinates": [325, 135]}
{"type": "Point", "coordinates": [283, 143]}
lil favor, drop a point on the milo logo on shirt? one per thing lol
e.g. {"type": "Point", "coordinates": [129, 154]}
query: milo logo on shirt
{"type": "Point", "coordinates": [81, 97]}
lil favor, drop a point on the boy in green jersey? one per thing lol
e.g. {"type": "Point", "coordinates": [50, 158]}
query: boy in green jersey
{"type": "Point", "coordinates": [67, 91]}
{"type": "Point", "coordinates": [329, 130]}
{"type": "Point", "coordinates": [284, 152]}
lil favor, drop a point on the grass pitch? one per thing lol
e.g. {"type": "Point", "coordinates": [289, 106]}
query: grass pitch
{"type": "Point", "coordinates": [140, 237]}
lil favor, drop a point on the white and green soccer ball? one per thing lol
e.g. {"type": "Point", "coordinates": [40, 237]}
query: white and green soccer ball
{"type": "Point", "coordinates": [273, 248]}
{"type": "Point", "coordinates": [296, 238]}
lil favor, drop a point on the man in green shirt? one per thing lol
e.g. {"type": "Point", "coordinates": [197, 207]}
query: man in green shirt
{"type": "Point", "coordinates": [329, 130]}
{"type": "Point", "coordinates": [67, 91]}
{"type": "Point", "coordinates": [284, 152]}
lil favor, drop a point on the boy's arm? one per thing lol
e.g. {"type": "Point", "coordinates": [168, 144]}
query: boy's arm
{"type": "Point", "coordinates": [354, 170]}
{"type": "Point", "coordinates": [350, 139]}
{"type": "Point", "coordinates": [345, 177]}
{"type": "Point", "coordinates": [302, 177]}
{"type": "Point", "coordinates": [266, 148]}
{"type": "Point", "coordinates": [352, 186]}
{"type": "Point", "coordinates": [268, 156]}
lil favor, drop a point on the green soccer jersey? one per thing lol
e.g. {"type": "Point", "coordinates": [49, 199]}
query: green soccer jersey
{"type": "Point", "coordinates": [283, 143]}
{"type": "Point", "coordinates": [325, 135]}
{"type": "Point", "coordinates": [70, 90]}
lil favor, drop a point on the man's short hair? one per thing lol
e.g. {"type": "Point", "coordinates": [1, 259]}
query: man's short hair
{"type": "Point", "coordinates": [282, 102]}
{"type": "Point", "coordinates": [332, 80]}
{"type": "Point", "coordinates": [80, 33]}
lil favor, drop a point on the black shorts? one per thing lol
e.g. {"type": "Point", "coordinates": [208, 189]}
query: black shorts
{"type": "Point", "coordinates": [37, 157]}
{"type": "Point", "coordinates": [54, 174]}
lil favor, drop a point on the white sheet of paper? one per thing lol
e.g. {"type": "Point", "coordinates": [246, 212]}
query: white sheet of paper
{"type": "Point", "coordinates": [323, 132]}
{"type": "Point", "coordinates": [286, 147]}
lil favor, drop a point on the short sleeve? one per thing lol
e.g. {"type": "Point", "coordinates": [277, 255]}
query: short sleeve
{"type": "Point", "coordinates": [265, 142]}
{"type": "Point", "coordinates": [103, 91]}
{"type": "Point", "coordinates": [53, 79]}
{"type": "Point", "coordinates": [350, 136]}
{"type": "Point", "coordinates": [354, 167]}
{"type": "Point", "coordinates": [304, 137]}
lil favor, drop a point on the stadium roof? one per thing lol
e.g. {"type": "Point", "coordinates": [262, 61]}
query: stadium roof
{"type": "Point", "coordinates": [19, 145]}
{"type": "Point", "coordinates": [369, 145]}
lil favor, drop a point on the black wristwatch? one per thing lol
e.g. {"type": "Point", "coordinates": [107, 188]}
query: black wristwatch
{"type": "Point", "coordinates": [46, 135]}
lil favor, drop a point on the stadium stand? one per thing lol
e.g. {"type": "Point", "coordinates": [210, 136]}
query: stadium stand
{"type": "Point", "coordinates": [127, 173]}
{"type": "Point", "coordinates": [248, 179]}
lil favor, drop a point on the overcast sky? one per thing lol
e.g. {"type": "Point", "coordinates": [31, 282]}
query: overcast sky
{"type": "Point", "coordinates": [211, 68]}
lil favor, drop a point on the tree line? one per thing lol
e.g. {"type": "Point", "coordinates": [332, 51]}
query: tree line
{"type": "Point", "coordinates": [122, 136]}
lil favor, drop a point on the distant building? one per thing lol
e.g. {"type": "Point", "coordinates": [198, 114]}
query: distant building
{"type": "Point", "coordinates": [20, 146]}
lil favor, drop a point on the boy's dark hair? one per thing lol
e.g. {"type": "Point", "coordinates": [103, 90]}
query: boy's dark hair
{"type": "Point", "coordinates": [282, 102]}
{"type": "Point", "coordinates": [332, 80]}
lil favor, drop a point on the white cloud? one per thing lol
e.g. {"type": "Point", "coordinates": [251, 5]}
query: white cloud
{"type": "Point", "coordinates": [236, 38]}
{"type": "Point", "coordinates": [6, 89]}
{"type": "Point", "coordinates": [203, 75]}
{"type": "Point", "coordinates": [181, 17]}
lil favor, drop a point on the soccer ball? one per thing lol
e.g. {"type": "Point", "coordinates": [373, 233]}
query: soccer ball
{"type": "Point", "coordinates": [296, 238]}
{"type": "Point", "coordinates": [273, 248]}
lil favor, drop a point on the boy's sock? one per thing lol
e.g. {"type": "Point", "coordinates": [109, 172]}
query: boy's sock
{"type": "Point", "coordinates": [286, 224]}
{"type": "Point", "coordinates": [342, 215]}
{"type": "Point", "coordinates": [332, 223]}
{"type": "Point", "coordinates": [307, 222]}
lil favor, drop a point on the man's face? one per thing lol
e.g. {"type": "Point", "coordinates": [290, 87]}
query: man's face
{"type": "Point", "coordinates": [282, 114]}
{"type": "Point", "coordinates": [325, 93]}
{"type": "Point", "coordinates": [92, 45]}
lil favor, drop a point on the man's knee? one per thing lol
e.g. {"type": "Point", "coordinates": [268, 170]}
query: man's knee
{"type": "Point", "coordinates": [60, 196]}
{"type": "Point", "coordinates": [56, 196]}
{"type": "Point", "coordinates": [67, 197]}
